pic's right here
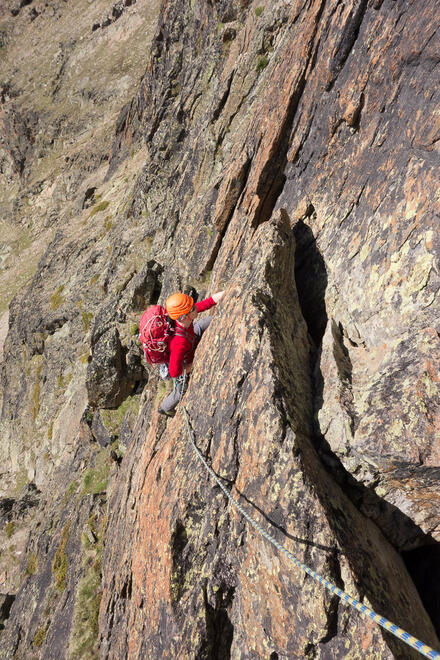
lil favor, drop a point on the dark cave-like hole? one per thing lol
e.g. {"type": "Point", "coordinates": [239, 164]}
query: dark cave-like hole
{"type": "Point", "coordinates": [126, 588]}
{"type": "Point", "coordinates": [423, 565]}
{"type": "Point", "coordinates": [6, 602]}
{"type": "Point", "coordinates": [179, 541]}
{"type": "Point", "coordinates": [311, 280]}
{"type": "Point", "coordinates": [157, 290]}
{"type": "Point", "coordinates": [89, 197]}
{"type": "Point", "coordinates": [221, 633]}
{"type": "Point", "coordinates": [219, 629]}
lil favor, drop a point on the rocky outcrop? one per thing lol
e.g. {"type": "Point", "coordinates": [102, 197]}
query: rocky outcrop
{"type": "Point", "coordinates": [194, 579]}
{"type": "Point", "coordinates": [56, 605]}
{"type": "Point", "coordinates": [18, 135]}
{"type": "Point", "coordinates": [284, 150]}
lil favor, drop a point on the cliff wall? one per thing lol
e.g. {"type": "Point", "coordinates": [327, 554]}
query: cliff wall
{"type": "Point", "coordinates": [287, 152]}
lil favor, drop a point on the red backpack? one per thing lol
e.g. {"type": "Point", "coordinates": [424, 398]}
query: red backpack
{"type": "Point", "coordinates": [156, 333]}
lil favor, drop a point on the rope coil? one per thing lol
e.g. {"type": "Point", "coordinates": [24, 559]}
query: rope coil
{"type": "Point", "coordinates": [401, 634]}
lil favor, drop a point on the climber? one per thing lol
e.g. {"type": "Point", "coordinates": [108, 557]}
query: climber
{"type": "Point", "coordinates": [181, 309]}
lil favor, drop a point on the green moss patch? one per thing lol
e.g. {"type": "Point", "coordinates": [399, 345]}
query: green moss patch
{"type": "Point", "coordinates": [10, 529]}
{"type": "Point", "coordinates": [39, 637]}
{"type": "Point", "coordinates": [95, 479]}
{"type": "Point", "coordinates": [60, 562]}
{"type": "Point", "coordinates": [86, 318]}
{"type": "Point", "coordinates": [108, 224]}
{"type": "Point", "coordinates": [102, 206]}
{"type": "Point", "coordinates": [85, 633]}
{"type": "Point", "coordinates": [113, 419]}
{"type": "Point", "coordinates": [262, 63]}
{"type": "Point", "coordinates": [32, 564]}
{"type": "Point", "coordinates": [21, 480]}
{"type": "Point", "coordinates": [57, 299]}
{"type": "Point", "coordinates": [71, 490]}
{"type": "Point", "coordinates": [64, 380]}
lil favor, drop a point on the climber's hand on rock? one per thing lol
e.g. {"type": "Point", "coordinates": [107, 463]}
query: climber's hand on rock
{"type": "Point", "coordinates": [218, 296]}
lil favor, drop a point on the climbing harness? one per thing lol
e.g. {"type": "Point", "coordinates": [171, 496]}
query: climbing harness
{"type": "Point", "coordinates": [412, 641]}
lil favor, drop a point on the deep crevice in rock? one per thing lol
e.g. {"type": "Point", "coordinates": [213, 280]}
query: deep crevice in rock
{"type": "Point", "coordinates": [221, 104]}
{"type": "Point", "coordinates": [236, 185]}
{"type": "Point", "coordinates": [89, 197]}
{"type": "Point", "coordinates": [423, 561]}
{"type": "Point", "coordinates": [334, 571]}
{"type": "Point", "coordinates": [157, 290]}
{"type": "Point", "coordinates": [179, 541]}
{"type": "Point", "coordinates": [350, 34]}
{"type": "Point", "coordinates": [398, 528]}
{"type": "Point", "coordinates": [344, 366]}
{"type": "Point", "coordinates": [311, 279]}
{"type": "Point", "coordinates": [233, 197]}
{"type": "Point", "coordinates": [6, 602]}
{"type": "Point", "coordinates": [219, 629]}
{"type": "Point", "coordinates": [310, 650]}
{"type": "Point", "coordinates": [127, 587]}
{"type": "Point", "coordinates": [273, 178]}
{"type": "Point", "coordinates": [341, 354]}
{"type": "Point", "coordinates": [423, 565]}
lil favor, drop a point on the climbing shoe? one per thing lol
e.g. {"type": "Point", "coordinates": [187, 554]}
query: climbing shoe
{"type": "Point", "coordinates": [167, 413]}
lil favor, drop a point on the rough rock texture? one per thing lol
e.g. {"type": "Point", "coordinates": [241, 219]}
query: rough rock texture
{"type": "Point", "coordinates": [290, 154]}
{"type": "Point", "coordinates": [199, 582]}
{"type": "Point", "coordinates": [62, 85]}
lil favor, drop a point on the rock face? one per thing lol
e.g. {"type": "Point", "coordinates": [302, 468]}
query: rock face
{"type": "Point", "coordinates": [202, 584]}
{"type": "Point", "coordinates": [290, 156]}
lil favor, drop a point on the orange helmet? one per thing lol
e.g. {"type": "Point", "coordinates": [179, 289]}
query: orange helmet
{"type": "Point", "coordinates": [179, 304]}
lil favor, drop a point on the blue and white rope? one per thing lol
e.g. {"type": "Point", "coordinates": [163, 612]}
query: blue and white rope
{"type": "Point", "coordinates": [412, 641]}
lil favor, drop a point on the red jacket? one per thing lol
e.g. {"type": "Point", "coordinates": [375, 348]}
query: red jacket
{"type": "Point", "coordinates": [182, 348]}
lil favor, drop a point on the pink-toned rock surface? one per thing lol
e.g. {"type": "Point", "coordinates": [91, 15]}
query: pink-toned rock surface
{"type": "Point", "coordinates": [194, 580]}
{"type": "Point", "coordinates": [291, 157]}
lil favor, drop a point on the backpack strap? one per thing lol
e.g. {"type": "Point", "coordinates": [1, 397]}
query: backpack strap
{"type": "Point", "coordinates": [192, 339]}
{"type": "Point", "coordinates": [183, 332]}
